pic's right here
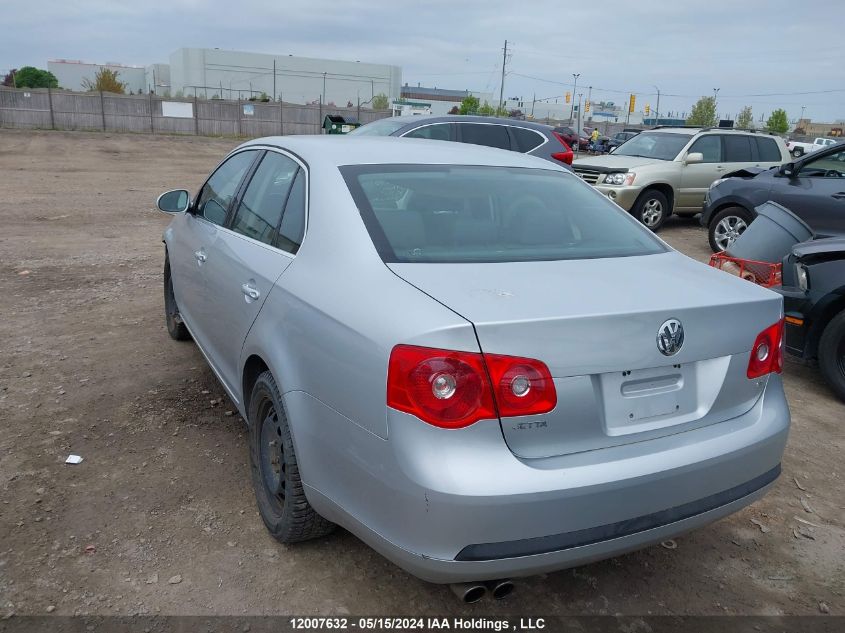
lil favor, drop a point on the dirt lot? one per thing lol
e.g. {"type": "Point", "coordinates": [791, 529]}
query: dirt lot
{"type": "Point", "coordinates": [160, 517]}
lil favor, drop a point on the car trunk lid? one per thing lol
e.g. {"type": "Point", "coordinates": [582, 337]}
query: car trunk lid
{"type": "Point", "coordinates": [595, 324]}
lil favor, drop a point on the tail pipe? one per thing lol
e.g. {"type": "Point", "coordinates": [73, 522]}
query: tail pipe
{"type": "Point", "coordinates": [469, 592]}
{"type": "Point", "coordinates": [500, 588]}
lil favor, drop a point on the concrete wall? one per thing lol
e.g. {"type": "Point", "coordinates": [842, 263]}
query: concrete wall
{"type": "Point", "coordinates": [72, 73]}
{"type": "Point", "coordinates": [298, 79]}
{"type": "Point", "coordinates": [61, 110]}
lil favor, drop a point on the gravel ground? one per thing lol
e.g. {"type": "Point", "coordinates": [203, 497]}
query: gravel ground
{"type": "Point", "coordinates": [159, 518]}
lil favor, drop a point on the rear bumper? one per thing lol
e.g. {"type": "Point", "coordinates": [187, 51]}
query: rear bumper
{"type": "Point", "coordinates": [458, 505]}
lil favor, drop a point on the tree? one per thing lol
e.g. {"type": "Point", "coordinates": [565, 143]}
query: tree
{"type": "Point", "coordinates": [381, 102]}
{"type": "Point", "coordinates": [745, 119]}
{"type": "Point", "coordinates": [778, 122]}
{"type": "Point", "coordinates": [516, 114]}
{"type": "Point", "coordinates": [105, 80]}
{"type": "Point", "coordinates": [703, 112]}
{"type": "Point", "coordinates": [31, 77]}
{"type": "Point", "coordinates": [486, 110]}
{"type": "Point", "coordinates": [469, 105]}
{"type": "Point", "coordinates": [9, 79]}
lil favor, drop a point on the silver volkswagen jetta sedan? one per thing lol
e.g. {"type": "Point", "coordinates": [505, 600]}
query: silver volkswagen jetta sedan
{"type": "Point", "coordinates": [468, 357]}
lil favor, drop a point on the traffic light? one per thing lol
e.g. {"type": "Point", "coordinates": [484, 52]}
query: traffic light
{"type": "Point", "coordinates": [586, 106]}
{"type": "Point", "coordinates": [647, 109]}
{"type": "Point", "coordinates": [568, 97]}
{"type": "Point", "coordinates": [632, 103]}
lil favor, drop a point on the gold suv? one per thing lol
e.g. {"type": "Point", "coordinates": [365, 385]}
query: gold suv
{"type": "Point", "coordinates": [669, 169]}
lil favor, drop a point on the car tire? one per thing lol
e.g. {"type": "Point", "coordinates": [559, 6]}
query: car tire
{"type": "Point", "coordinates": [177, 330]}
{"type": "Point", "coordinates": [275, 471]}
{"type": "Point", "coordinates": [651, 209]}
{"type": "Point", "coordinates": [797, 153]}
{"type": "Point", "coordinates": [832, 354]}
{"type": "Point", "coordinates": [726, 226]}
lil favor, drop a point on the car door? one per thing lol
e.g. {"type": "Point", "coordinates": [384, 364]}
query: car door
{"type": "Point", "coordinates": [816, 193]}
{"type": "Point", "coordinates": [488, 134]}
{"type": "Point", "coordinates": [433, 131]}
{"type": "Point", "coordinates": [190, 249]}
{"type": "Point", "coordinates": [262, 237]}
{"type": "Point", "coordinates": [696, 178]}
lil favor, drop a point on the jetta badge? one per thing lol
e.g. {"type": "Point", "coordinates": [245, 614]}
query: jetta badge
{"type": "Point", "coordinates": [670, 337]}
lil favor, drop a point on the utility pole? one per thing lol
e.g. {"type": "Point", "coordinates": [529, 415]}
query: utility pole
{"type": "Point", "coordinates": [323, 98]}
{"type": "Point", "coordinates": [715, 96]}
{"type": "Point", "coordinates": [578, 131]}
{"type": "Point", "coordinates": [802, 113]}
{"type": "Point", "coordinates": [504, 63]}
{"type": "Point", "coordinates": [533, 101]}
{"type": "Point", "coordinates": [574, 88]}
{"type": "Point", "coordinates": [274, 77]}
{"type": "Point", "coordinates": [657, 111]}
{"type": "Point", "coordinates": [589, 96]}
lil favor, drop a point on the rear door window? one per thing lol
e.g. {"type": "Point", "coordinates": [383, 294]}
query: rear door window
{"type": "Point", "coordinates": [527, 140]}
{"type": "Point", "coordinates": [768, 150]}
{"type": "Point", "coordinates": [217, 193]}
{"type": "Point", "coordinates": [483, 134]}
{"type": "Point", "coordinates": [737, 148]}
{"type": "Point", "coordinates": [710, 146]}
{"type": "Point", "coordinates": [436, 132]}
{"type": "Point", "coordinates": [292, 229]}
{"type": "Point", "coordinates": [260, 211]}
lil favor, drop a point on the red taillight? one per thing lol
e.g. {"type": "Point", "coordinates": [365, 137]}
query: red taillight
{"type": "Point", "coordinates": [767, 353]}
{"type": "Point", "coordinates": [453, 389]}
{"type": "Point", "coordinates": [522, 386]}
{"type": "Point", "coordinates": [565, 156]}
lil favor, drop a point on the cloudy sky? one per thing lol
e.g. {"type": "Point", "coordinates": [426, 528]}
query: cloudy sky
{"type": "Point", "coordinates": [763, 53]}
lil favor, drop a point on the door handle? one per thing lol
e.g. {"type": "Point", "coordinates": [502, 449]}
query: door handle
{"type": "Point", "coordinates": [250, 291]}
{"type": "Point", "coordinates": [839, 196]}
{"type": "Point", "coordinates": [201, 256]}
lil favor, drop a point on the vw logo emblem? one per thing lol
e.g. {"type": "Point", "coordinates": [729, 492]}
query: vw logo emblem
{"type": "Point", "coordinates": [670, 337]}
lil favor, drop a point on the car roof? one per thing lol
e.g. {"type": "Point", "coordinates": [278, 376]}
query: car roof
{"type": "Point", "coordinates": [467, 118]}
{"type": "Point", "coordinates": [337, 150]}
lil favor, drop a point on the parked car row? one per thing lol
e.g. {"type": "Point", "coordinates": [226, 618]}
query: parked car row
{"type": "Point", "coordinates": [798, 149]}
{"type": "Point", "coordinates": [468, 357]}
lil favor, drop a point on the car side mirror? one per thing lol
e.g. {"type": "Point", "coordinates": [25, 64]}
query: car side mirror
{"type": "Point", "coordinates": [693, 158]}
{"type": "Point", "coordinates": [787, 170]}
{"type": "Point", "coordinates": [176, 201]}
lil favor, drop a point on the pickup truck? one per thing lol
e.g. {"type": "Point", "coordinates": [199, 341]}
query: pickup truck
{"type": "Point", "coordinates": [798, 149]}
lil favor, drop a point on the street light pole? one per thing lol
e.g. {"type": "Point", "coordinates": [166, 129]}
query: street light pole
{"type": "Point", "coordinates": [715, 97]}
{"type": "Point", "coordinates": [574, 88]}
{"type": "Point", "coordinates": [324, 87]}
{"type": "Point", "coordinates": [802, 113]}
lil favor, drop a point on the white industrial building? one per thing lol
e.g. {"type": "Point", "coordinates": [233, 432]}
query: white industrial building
{"type": "Point", "coordinates": [209, 72]}
{"type": "Point", "coordinates": [72, 74]}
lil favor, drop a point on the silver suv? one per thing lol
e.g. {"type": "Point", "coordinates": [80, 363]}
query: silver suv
{"type": "Point", "coordinates": [669, 169]}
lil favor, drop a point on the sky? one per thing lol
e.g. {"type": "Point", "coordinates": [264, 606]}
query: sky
{"type": "Point", "coordinates": [764, 53]}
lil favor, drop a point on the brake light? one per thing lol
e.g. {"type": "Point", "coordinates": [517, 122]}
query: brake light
{"type": "Point", "coordinates": [565, 156]}
{"type": "Point", "coordinates": [767, 353]}
{"type": "Point", "coordinates": [453, 390]}
{"type": "Point", "coordinates": [522, 386]}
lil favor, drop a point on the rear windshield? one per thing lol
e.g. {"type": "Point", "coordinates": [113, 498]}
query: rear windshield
{"type": "Point", "coordinates": [454, 214]}
{"type": "Point", "coordinates": [382, 127]}
{"type": "Point", "coordinates": [658, 145]}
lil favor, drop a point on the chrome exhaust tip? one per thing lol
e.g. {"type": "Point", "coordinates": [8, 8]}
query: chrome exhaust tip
{"type": "Point", "coordinates": [500, 588]}
{"type": "Point", "coordinates": [468, 592]}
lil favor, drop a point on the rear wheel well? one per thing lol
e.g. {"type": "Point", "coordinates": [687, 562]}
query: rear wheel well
{"type": "Point", "coordinates": [827, 315]}
{"type": "Point", "coordinates": [253, 368]}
